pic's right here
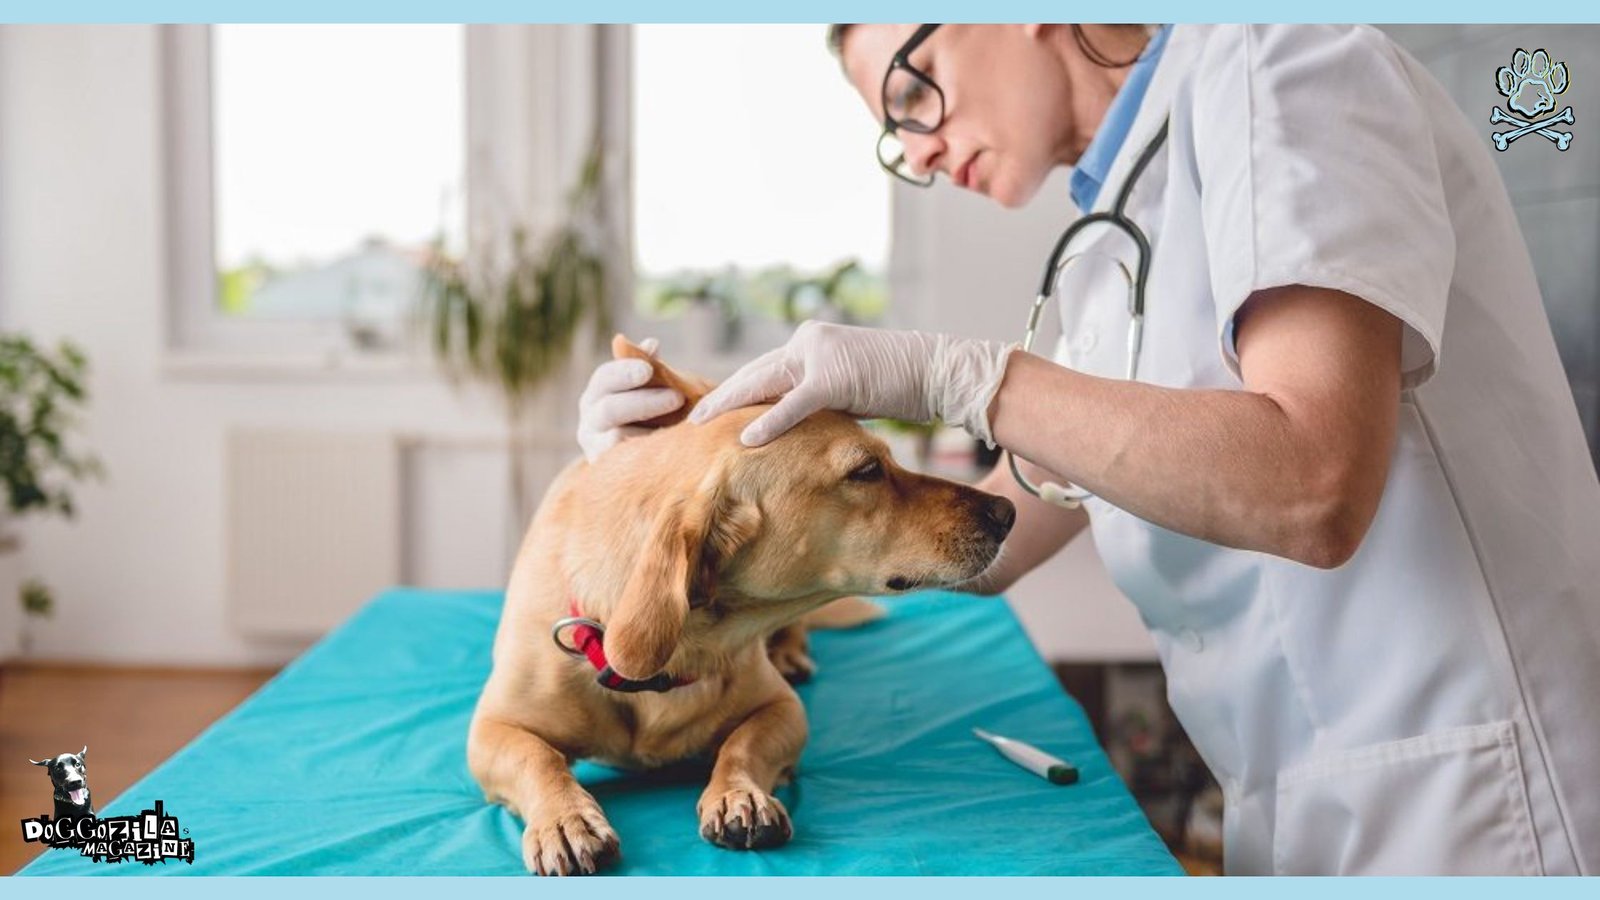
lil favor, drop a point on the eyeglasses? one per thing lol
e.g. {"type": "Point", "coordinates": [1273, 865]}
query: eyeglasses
{"type": "Point", "coordinates": [911, 101]}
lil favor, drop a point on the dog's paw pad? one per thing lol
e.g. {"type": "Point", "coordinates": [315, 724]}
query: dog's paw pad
{"type": "Point", "coordinates": [573, 844]}
{"type": "Point", "coordinates": [772, 834]}
{"type": "Point", "coordinates": [727, 822]}
{"type": "Point", "coordinates": [734, 834]}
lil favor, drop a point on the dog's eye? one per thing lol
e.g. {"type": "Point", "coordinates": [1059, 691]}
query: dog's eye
{"type": "Point", "coordinates": [871, 470]}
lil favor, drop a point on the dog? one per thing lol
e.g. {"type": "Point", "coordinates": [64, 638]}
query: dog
{"type": "Point", "coordinates": [653, 584]}
{"type": "Point", "coordinates": [69, 777]}
{"type": "Point", "coordinates": [789, 648]}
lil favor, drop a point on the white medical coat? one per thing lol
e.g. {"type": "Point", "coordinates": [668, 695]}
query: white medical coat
{"type": "Point", "coordinates": [1433, 705]}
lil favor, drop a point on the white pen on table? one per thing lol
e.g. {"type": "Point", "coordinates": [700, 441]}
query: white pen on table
{"type": "Point", "coordinates": [1040, 763]}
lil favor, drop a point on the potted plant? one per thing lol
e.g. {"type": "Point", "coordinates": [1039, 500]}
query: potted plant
{"type": "Point", "coordinates": [511, 315]}
{"type": "Point", "coordinates": [845, 293]}
{"type": "Point", "coordinates": [42, 392]}
{"type": "Point", "coordinates": [708, 304]}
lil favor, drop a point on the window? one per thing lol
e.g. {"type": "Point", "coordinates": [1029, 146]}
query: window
{"type": "Point", "coordinates": [336, 156]}
{"type": "Point", "coordinates": [754, 179]}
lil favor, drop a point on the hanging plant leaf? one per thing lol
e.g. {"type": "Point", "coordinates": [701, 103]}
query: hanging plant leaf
{"type": "Point", "coordinates": [41, 395]}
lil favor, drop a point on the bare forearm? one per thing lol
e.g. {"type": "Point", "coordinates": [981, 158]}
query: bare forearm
{"type": "Point", "coordinates": [1230, 467]}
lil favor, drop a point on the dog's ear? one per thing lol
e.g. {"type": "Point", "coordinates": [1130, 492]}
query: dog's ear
{"type": "Point", "coordinates": [84, 752]}
{"type": "Point", "coordinates": [41, 762]}
{"type": "Point", "coordinates": [686, 548]}
{"type": "Point", "coordinates": [692, 387]}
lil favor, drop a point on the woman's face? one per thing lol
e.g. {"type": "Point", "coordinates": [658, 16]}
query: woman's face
{"type": "Point", "coordinates": [1007, 103]}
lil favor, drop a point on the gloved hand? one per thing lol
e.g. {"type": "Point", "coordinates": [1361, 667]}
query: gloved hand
{"type": "Point", "coordinates": [612, 402]}
{"type": "Point", "coordinates": [867, 372]}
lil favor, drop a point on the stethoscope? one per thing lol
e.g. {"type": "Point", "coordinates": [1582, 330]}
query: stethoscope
{"type": "Point", "coordinates": [1070, 496]}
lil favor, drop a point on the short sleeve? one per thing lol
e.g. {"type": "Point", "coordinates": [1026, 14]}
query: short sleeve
{"type": "Point", "coordinates": [1317, 166]}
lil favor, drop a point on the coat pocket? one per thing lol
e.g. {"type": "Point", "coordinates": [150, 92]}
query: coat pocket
{"type": "Point", "coordinates": [1451, 802]}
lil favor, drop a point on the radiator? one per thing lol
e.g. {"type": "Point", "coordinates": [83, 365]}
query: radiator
{"type": "Point", "coordinates": [313, 527]}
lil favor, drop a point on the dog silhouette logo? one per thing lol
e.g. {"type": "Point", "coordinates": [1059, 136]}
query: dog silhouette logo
{"type": "Point", "coordinates": [69, 776]}
{"type": "Point", "coordinates": [1530, 85]}
{"type": "Point", "coordinates": [150, 837]}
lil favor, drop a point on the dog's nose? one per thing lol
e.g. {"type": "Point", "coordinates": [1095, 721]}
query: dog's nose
{"type": "Point", "coordinates": [999, 514]}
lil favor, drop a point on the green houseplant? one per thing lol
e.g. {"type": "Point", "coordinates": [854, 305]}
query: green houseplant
{"type": "Point", "coordinates": [844, 293]}
{"type": "Point", "coordinates": [709, 300]}
{"type": "Point", "coordinates": [512, 318]}
{"type": "Point", "coordinates": [42, 392]}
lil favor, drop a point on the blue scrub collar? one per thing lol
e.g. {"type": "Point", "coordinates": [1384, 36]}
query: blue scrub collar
{"type": "Point", "coordinates": [1089, 175]}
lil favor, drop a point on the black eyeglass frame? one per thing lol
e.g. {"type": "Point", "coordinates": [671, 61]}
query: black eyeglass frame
{"type": "Point", "coordinates": [901, 60]}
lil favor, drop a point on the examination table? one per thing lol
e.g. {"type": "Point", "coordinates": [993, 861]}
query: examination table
{"type": "Point", "coordinates": [352, 761]}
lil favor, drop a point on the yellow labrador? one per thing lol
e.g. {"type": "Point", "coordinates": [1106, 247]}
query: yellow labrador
{"type": "Point", "coordinates": [664, 568]}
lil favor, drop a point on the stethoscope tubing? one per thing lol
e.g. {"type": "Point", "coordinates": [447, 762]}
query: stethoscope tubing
{"type": "Point", "coordinates": [1069, 495]}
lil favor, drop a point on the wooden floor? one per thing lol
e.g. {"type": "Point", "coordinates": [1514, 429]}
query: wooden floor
{"type": "Point", "coordinates": [131, 719]}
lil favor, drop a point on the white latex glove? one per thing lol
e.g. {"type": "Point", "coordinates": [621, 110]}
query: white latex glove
{"type": "Point", "coordinates": [868, 372]}
{"type": "Point", "coordinates": [613, 401]}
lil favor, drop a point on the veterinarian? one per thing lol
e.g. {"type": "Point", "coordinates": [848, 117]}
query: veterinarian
{"type": "Point", "coordinates": [1346, 487]}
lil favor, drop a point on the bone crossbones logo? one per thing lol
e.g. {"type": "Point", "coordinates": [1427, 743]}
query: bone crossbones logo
{"type": "Point", "coordinates": [1530, 85]}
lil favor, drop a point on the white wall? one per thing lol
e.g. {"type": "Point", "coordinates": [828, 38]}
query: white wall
{"type": "Point", "coordinates": [139, 575]}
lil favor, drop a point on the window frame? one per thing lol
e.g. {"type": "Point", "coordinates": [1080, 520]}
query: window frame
{"type": "Point", "coordinates": [199, 337]}
{"type": "Point", "coordinates": [527, 86]}
{"type": "Point", "coordinates": [906, 254]}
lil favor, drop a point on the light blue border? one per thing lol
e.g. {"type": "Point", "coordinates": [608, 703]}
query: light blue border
{"type": "Point", "coordinates": [475, 11]}
{"type": "Point", "coordinates": [808, 888]}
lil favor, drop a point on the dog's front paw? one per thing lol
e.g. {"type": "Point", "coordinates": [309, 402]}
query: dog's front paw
{"type": "Point", "coordinates": [576, 841]}
{"type": "Point", "coordinates": [794, 663]}
{"type": "Point", "coordinates": [744, 820]}
{"type": "Point", "coordinates": [790, 652]}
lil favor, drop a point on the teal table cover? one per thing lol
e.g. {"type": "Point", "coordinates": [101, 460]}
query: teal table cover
{"type": "Point", "coordinates": [352, 761]}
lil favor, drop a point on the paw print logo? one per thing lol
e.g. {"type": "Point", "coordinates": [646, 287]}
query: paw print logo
{"type": "Point", "coordinates": [1531, 82]}
{"type": "Point", "coordinates": [1530, 85]}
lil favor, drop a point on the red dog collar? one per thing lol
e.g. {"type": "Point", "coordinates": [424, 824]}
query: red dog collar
{"type": "Point", "coordinates": [588, 642]}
